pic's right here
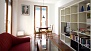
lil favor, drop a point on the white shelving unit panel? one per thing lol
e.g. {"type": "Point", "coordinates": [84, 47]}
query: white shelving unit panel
{"type": "Point", "coordinates": [62, 18]}
{"type": "Point", "coordinates": [63, 37]}
{"type": "Point", "coordinates": [81, 25]}
{"type": "Point", "coordinates": [67, 18]}
{"type": "Point", "coordinates": [62, 12]}
{"type": "Point", "coordinates": [62, 26]}
{"type": "Point", "coordinates": [68, 41]}
{"type": "Point", "coordinates": [74, 9]}
{"type": "Point", "coordinates": [82, 17]}
{"type": "Point", "coordinates": [74, 18]}
{"type": "Point", "coordinates": [67, 11]}
{"type": "Point", "coordinates": [74, 26]}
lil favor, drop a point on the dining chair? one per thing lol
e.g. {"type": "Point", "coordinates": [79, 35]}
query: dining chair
{"type": "Point", "coordinates": [49, 31]}
{"type": "Point", "coordinates": [37, 32]}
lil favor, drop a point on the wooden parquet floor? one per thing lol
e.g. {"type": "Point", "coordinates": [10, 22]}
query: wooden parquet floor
{"type": "Point", "coordinates": [56, 40]}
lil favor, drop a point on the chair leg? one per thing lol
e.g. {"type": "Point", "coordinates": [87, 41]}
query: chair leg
{"type": "Point", "coordinates": [47, 35]}
{"type": "Point", "coordinates": [35, 36]}
{"type": "Point", "coordinates": [51, 35]}
{"type": "Point", "coordinates": [41, 36]}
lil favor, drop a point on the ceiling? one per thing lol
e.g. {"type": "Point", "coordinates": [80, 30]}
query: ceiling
{"type": "Point", "coordinates": [45, 1]}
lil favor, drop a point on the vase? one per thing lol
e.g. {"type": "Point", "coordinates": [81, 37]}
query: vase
{"type": "Point", "coordinates": [82, 9]}
{"type": "Point", "coordinates": [88, 8]}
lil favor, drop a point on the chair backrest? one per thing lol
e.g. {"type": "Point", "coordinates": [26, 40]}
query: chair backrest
{"type": "Point", "coordinates": [43, 29]}
{"type": "Point", "coordinates": [37, 29]}
{"type": "Point", "coordinates": [5, 41]}
{"type": "Point", "coordinates": [51, 27]}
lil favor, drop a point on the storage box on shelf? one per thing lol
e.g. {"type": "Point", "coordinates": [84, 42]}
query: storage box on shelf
{"type": "Point", "coordinates": [79, 19]}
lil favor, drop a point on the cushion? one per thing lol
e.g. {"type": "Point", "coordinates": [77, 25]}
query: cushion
{"type": "Point", "coordinates": [22, 47]}
{"type": "Point", "coordinates": [5, 42]}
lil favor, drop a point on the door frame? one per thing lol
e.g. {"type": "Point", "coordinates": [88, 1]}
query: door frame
{"type": "Point", "coordinates": [7, 15]}
{"type": "Point", "coordinates": [41, 15]}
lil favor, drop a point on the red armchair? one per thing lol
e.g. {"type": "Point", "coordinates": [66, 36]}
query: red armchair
{"type": "Point", "coordinates": [9, 42]}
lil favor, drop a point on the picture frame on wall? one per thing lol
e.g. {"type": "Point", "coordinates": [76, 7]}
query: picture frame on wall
{"type": "Point", "coordinates": [25, 9]}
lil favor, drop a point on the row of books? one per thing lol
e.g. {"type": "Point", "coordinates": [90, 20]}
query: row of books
{"type": "Point", "coordinates": [85, 41]}
{"type": "Point", "coordinates": [82, 40]}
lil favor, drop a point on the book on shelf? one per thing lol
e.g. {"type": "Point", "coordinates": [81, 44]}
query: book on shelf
{"type": "Point", "coordinates": [88, 43]}
{"type": "Point", "coordinates": [76, 38]}
{"type": "Point", "coordinates": [85, 41]}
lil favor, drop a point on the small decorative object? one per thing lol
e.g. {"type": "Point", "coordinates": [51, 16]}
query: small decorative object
{"type": "Point", "coordinates": [87, 32]}
{"type": "Point", "coordinates": [88, 27]}
{"type": "Point", "coordinates": [25, 10]}
{"type": "Point", "coordinates": [76, 38]}
{"type": "Point", "coordinates": [82, 9]}
{"type": "Point", "coordinates": [82, 29]}
{"type": "Point", "coordinates": [88, 43]}
{"type": "Point", "coordinates": [72, 36]}
{"type": "Point", "coordinates": [88, 8]}
{"type": "Point", "coordinates": [88, 16]}
{"type": "Point", "coordinates": [43, 16]}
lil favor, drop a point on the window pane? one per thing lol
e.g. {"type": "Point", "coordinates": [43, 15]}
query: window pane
{"type": "Point", "coordinates": [43, 16]}
{"type": "Point", "coordinates": [37, 17]}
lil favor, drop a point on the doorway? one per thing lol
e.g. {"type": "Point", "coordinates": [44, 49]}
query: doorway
{"type": "Point", "coordinates": [40, 16]}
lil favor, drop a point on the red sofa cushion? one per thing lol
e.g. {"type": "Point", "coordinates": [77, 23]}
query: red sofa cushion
{"type": "Point", "coordinates": [5, 42]}
{"type": "Point", "coordinates": [21, 47]}
{"type": "Point", "coordinates": [16, 41]}
{"type": "Point", "coordinates": [8, 41]}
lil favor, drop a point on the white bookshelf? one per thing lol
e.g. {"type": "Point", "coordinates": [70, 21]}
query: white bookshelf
{"type": "Point", "coordinates": [77, 19]}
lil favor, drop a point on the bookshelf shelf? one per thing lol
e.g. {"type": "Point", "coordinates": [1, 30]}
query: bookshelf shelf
{"type": "Point", "coordinates": [67, 36]}
{"type": "Point", "coordinates": [75, 23]}
{"type": "Point", "coordinates": [67, 14]}
{"type": "Point", "coordinates": [62, 15]}
{"type": "Point", "coordinates": [73, 13]}
{"type": "Point", "coordinates": [85, 12]}
{"type": "Point", "coordinates": [84, 34]}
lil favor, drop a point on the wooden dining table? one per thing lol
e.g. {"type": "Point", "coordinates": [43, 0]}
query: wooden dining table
{"type": "Point", "coordinates": [43, 30]}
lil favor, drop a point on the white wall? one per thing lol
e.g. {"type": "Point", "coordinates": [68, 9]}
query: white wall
{"type": "Point", "coordinates": [51, 15]}
{"type": "Point", "coordinates": [26, 23]}
{"type": "Point", "coordinates": [14, 19]}
{"type": "Point", "coordinates": [2, 26]}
